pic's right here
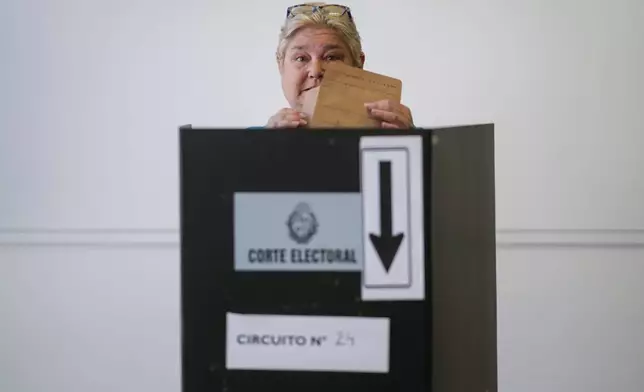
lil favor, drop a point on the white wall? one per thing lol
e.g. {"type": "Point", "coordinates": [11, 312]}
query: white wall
{"type": "Point", "coordinates": [570, 318]}
{"type": "Point", "coordinates": [93, 91]}
{"type": "Point", "coordinates": [96, 317]}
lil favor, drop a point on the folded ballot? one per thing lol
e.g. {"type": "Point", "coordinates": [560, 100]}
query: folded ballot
{"type": "Point", "coordinates": [340, 98]}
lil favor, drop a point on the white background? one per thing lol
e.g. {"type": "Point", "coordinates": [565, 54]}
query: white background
{"type": "Point", "coordinates": [92, 92]}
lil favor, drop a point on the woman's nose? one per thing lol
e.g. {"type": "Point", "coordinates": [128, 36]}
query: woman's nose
{"type": "Point", "coordinates": [316, 70]}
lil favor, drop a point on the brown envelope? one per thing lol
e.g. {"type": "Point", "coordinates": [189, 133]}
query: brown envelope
{"type": "Point", "coordinates": [340, 98]}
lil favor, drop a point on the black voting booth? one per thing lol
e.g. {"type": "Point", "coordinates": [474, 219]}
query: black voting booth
{"type": "Point", "coordinates": [444, 343]}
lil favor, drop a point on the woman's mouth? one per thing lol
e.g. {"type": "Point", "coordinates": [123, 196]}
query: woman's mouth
{"type": "Point", "coordinates": [309, 88]}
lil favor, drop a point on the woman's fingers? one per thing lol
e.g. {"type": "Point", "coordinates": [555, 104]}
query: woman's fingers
{"type": "Point", "coordinates": [387, 125]}
{"type": "Point", "coordinates": [391, 114]}
{"type": "Point", "coordinates": [291, 123]}
{"type": "Point", "coordinates": [287, 118]}
{"type": "Point", "coordinates": [393, 119]}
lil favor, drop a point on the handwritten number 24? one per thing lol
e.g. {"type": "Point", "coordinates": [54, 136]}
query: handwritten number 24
{"type": "Point", "coordinates": [344, 339]}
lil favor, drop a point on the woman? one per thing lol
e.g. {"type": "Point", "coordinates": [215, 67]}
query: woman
{"type": "Point", "coordinates": [312, 35]}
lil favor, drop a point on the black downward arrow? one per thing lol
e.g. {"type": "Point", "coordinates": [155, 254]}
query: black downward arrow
{"type": "Point", "coordinates": [386, 243]}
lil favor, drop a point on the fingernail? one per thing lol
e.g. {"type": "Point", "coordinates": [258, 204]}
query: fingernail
{"type": "Point", "coordinates": [303, 122]}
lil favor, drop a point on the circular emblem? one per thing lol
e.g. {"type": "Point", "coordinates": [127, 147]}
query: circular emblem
{"type": "Point", "coordinates": [302, 224]}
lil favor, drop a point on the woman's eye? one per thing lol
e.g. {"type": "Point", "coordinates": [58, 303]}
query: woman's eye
{"type": "Point", "coordinates": [332, 58]}
{"type": "Point", "coordinates": [299, 59]}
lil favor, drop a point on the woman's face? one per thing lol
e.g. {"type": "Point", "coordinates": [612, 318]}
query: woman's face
{"type": "Point", "coordinates": [304, 59]}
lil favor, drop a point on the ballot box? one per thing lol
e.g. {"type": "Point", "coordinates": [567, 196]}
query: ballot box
{"type": "Point", "coordinates": [338, 260]}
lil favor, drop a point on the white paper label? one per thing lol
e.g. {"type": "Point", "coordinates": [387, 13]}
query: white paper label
{"type": "Point", "coordinates": [307, 343]}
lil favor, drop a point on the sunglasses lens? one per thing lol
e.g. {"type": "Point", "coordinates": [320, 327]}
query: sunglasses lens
{"type": "Point", "coordinates": [300, 9]}
{"type": "Point", "coordinates": [334, 10]}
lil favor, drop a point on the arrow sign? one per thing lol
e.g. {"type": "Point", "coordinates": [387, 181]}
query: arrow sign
{"type": "Point", "coordinates": [386, 243]}
{"type": "Point", "coordinates": [391, 188]}
{"type": "Point", "coordinates": [385, 212]}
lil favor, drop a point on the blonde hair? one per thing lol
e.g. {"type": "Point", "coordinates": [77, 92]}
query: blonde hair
{"type": "Point", "coordinates": [343, 26]}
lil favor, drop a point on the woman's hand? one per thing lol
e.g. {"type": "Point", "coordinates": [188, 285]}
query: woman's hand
{"type": "Point", "coordinates": [287, 118]}
{"type": "Point", "coordinates": [390, 114]}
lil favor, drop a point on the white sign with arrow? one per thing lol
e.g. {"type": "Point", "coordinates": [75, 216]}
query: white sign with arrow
{"type": "Point", "coordinates": [391, 171]}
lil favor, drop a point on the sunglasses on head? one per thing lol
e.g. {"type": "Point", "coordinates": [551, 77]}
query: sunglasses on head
{"type": "Point", "coordinates": [334, 10]}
